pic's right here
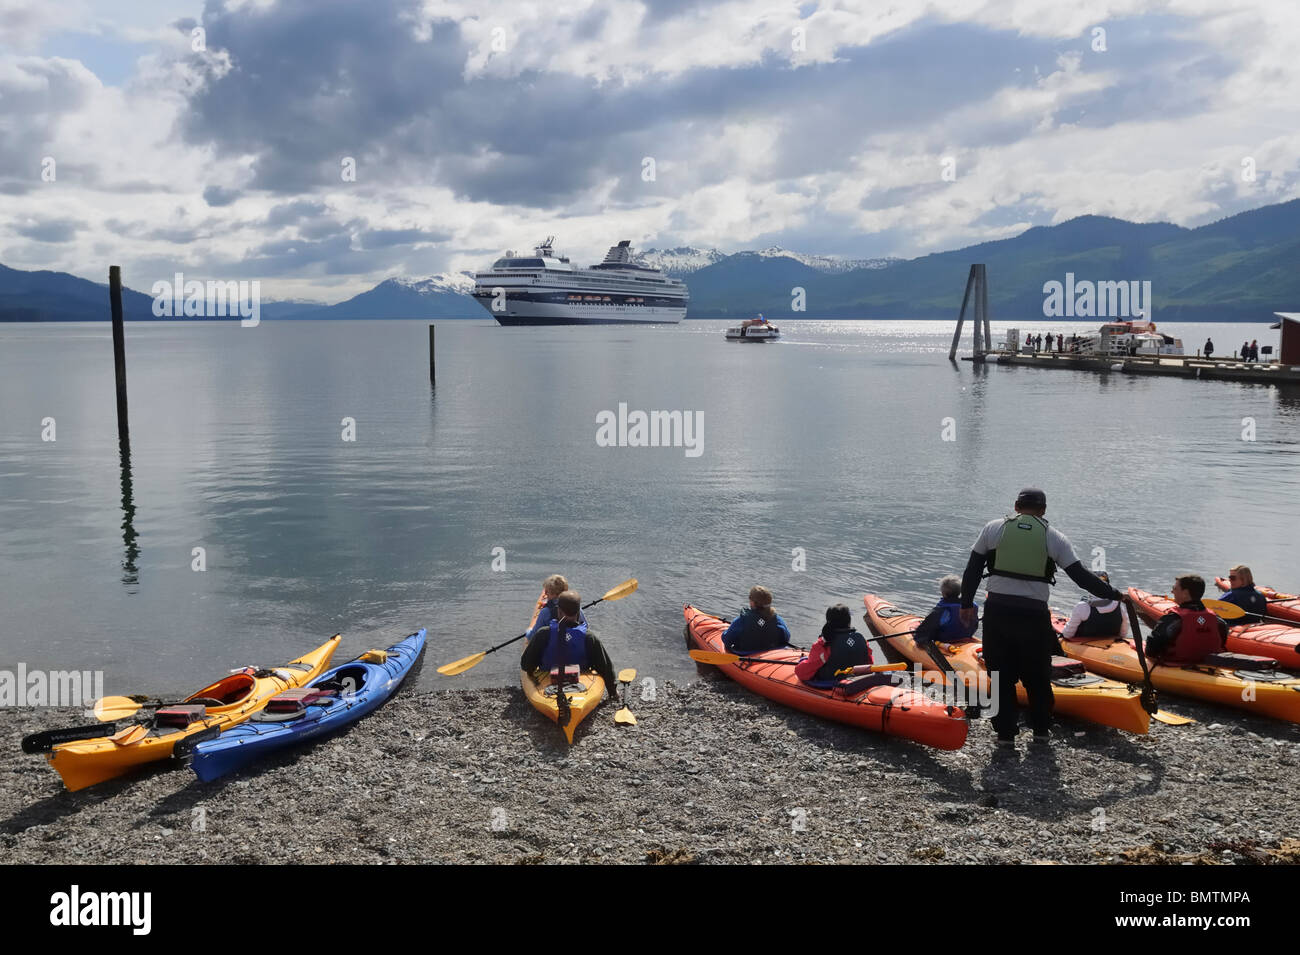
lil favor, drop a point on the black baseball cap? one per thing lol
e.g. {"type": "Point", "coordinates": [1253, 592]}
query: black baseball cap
{"type": "Point", "coordinates": [1031, 497]}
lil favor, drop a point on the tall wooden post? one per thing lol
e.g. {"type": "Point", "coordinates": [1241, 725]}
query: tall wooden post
{"type": "Point", "coordinates": [433, 372]}
{"type": "Point", "coordinates": [977, 286]}
{"type": "Point", "coordinates": [119, 354]}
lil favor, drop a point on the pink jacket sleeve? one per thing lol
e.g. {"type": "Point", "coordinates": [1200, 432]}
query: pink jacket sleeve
{"type": "Point", "coordinates": [807, 669]}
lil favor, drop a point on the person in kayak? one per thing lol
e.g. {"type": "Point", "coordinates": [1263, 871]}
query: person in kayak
{"type": "Point", "coordinates": [552, 587]}
{"type": "Point", "coordinates": [567, 636]}
{"type": "Point", "coordinates": [1242, 592]}
{"type": "Point", "coordinates": [838, 647]}
{"type": "Point", "coordinates": [944, 622]}
{"type": "Point", "coordinates": [1188, 633]}
{"type": "Point", "coordinates": [758, 628]}
{"type": "Point", "coordinates": [1096, 617]}
{"type": "Point", "coordinates": [1022, 554]}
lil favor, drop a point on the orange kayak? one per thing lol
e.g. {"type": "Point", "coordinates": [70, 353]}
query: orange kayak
{"type": "Point", "coordinates": [1081, 695]}
{"type": "Point", "coordinates": [1276, 640]}
{"type": "Point", "coordinates": [1274, 693]}
{"type": "Point", "coordinates": [889, 708]}
{"type": "Point", "coordinates": [1285, 606]}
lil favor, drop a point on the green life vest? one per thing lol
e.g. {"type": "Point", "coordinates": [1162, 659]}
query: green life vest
{"type": "Point", "coordinates": [1022, 550]}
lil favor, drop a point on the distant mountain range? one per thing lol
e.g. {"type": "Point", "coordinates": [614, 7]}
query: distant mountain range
{"type": "Point", "coordinates": [1240, 268]}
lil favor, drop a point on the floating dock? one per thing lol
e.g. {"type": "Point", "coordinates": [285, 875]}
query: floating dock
{"type": "Point", "coordinates": [1175, 366]}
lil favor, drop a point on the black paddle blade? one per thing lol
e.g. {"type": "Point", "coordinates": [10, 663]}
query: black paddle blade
{"type": "Point", "coordinates": [185, 748]}
{"type": "Point", "coordinates": [44, 742]}
{"type": "Point", "coordinates": [1149, 702]}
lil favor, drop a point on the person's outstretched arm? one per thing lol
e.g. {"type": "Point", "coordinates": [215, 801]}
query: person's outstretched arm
{"type": "Point", "coordinates": [1091, 582]}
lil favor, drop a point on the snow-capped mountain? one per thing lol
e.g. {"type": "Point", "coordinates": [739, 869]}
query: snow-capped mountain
{"type": "Point", "coordinates": [684, 260]}
{"type": "Point", "coordinates": [462, 282]}
{"type": "Point", "coordinates": [680, 261]}
{"type": "Point", "coordinates": [827, 263]}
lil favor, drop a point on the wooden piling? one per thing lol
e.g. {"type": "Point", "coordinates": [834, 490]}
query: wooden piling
{"type": "Point", "coordinates": [977, 287]}
{"type": "Point", "coordinates": [119, 355]}
{"type": "Point", "coordinates": [433, 371]}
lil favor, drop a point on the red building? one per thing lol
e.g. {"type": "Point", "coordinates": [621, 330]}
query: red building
{"type": "Point", "coordinates": [1289, 352]}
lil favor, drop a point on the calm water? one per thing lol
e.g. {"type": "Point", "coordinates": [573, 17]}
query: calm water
{"type": "Point", "coordinates": [830, 441]}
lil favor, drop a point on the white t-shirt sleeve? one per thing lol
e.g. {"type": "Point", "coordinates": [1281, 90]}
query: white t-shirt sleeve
{"type": "Point", "coordinates": [1080, 614]}
{"type": "Point", "coordinates": [1060, 549]}
{"type": "Point", "coordinates": [988, 538]}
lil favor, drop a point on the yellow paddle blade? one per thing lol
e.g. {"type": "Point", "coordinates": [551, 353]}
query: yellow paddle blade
{"type": "Point", "coordinates": [1224, 609]}
{"type": "Point", "coordinates": [874, 668]}
{"type": "Point", "coordinates": [622, 590]}
{"type": "Point", "coordinates": [626, 676]}
{"type": "Point", "coordinates": [112, 708]}
{"type": "Point", "coordinates": [713, 656]}
{"type": "Point", "coordinates": [461, 665]}
{"type": "Point", "coordinates": [624, 717]}
{"type": "Point", "coordinates": [132, 734]}
{"type": "Point", "coordinates": [1171, 719]}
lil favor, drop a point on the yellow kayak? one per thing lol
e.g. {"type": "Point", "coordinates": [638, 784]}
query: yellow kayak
{"type": "Point", "coordinates": [581, 702]}
{"type": "Point", "coordinates": [227, 702]}
{"type": "Point", "coordinates": [1269, 692]}
{"type": "Point", "coordinates": [1081, 696]}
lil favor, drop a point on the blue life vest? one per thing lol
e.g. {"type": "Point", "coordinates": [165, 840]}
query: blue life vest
{"type": "Point", "coordinates": [1248, 599]}
{"type": "Point", "coordinates": [753, 634]}
{"type": "Point", "coordinates": [575, 647]}
{"type": "Point", "coordinates": [951, 629]}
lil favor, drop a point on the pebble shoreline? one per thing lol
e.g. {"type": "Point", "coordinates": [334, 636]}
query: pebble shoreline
{"type": "Point", "coordinates": [710, 774]}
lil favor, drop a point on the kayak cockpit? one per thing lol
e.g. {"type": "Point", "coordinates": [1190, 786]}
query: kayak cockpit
{"type": "Point", "coordinates": [231, 691]}
{"type": "Point", "coordinates": [347, 680]}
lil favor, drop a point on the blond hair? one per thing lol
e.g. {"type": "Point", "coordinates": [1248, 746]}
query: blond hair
{"type": "Point", "coordinates": [761, 598]}
{"type": "Point", "coordinates": [1247, 578]}
{"type": "Point", "coordinates": [555, 585]}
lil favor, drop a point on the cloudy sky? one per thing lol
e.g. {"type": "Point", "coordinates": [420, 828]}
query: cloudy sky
{"type": "Point", "coordinates": [214, 137]}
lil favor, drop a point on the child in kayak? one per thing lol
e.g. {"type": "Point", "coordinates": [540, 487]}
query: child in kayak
{"type": "Point", "coordinates": [838, 647]}
{"type": "Point", "coordinates": [1242, 592]}
{"type": "Point", "coordinates": [552, 587]}
{"type": "Point", "coordinates": [568, 637]}
{"type": "Point", "coordinates": [944, 621]}
{"type": "Point", "coordinates": [1096, 617]}
{"type": "Point", "coordinates": [758, 628]}
{"type": "Point", "coordinates": [1189, 633]}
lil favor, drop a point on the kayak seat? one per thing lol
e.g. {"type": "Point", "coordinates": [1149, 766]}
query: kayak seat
{"type": "Point", "coordinates": [1240, 661]}
{"type": "Point", "coordinates": [860, 684]}
{"type": "Point", "coordinates": [348, 679]}
{"type": "Point", "coordinates": [181, 715]}
{"type": "Point", "coordinates": [1065, 667]}
{"type": "Point", "coordinates": [228, 691]}
{"type": "Point", "coordinates": [299, 697]}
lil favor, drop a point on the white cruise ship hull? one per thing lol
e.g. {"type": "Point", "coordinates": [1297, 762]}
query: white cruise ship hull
{"type": "Point", "coordinates": [522, 312]}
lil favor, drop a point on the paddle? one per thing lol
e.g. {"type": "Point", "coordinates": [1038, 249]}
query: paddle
{"type": "Point", "coordinates": [112, 708]}
{"type": "Point", "coordinates": [44, 742]}
{"type": "Point", "coordinates": [1148, 691]}
{"type": "Point", "coordinates": [717, 658]}
{"type": "Point", "coordinates": [1230, 611]}
{"type": "Point", "coordinates": [624, 716]}
{"type": "Point", "coordinates": [474, 659]}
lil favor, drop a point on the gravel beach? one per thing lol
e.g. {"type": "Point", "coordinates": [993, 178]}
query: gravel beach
{"type": "Point", "coordinates": [710, 774]}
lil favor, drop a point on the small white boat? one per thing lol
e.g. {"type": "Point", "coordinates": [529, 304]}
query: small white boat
{"type": "Point", "coordinates": [754, 330]}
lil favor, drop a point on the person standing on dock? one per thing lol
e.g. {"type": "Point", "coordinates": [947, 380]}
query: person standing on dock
{"type": "Point", "coordinates": [1022, 554]}
{"type": "Point", "coordinates": [1209, 348]}
{"type": "Point", "coordinates": [1254, 350]}
{"type": "Point", "coordinates": [1060, 342]}
{"type": "Point", "coordinates": [1245, 351]}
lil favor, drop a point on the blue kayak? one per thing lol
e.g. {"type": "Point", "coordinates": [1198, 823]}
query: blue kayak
{"type": "Point", "coordinates": [335, 699]}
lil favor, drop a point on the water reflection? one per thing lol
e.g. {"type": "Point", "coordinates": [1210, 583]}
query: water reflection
{"type": "Point", "coordinates": [130, 570]}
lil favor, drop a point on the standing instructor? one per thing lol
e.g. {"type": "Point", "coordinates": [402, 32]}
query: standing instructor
{"type": "Point", "coordinates": [1022, 554]}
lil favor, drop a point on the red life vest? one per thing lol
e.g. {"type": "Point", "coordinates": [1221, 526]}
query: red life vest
{"type": "Point", "coordinates": [1198, 638]}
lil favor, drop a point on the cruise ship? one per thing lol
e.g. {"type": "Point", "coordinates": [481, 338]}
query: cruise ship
{"type": "Point", "coordinates": [547, 289]}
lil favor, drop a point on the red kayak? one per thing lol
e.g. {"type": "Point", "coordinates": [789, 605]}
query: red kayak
{"type": "Point", "coordinates": [1276, 640]}
{"type": "Point", "coordinates": [1283, 606]}
{"type": "Point", "coordinates": [896, 710]}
